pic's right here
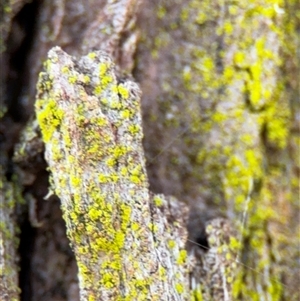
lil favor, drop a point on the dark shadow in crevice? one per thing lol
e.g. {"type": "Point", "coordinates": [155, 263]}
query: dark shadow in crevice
{"type": "Point", "coordinates": [19, 44]}
{"type": "Point", "coordinates": [25, 252]}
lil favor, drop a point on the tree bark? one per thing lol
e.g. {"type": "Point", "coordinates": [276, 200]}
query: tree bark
{"type": "Point", "coordinates": [220, 118]}
{"type": "Point", "coordinates": [91, 125]}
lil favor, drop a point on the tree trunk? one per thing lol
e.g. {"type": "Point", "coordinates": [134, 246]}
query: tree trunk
{"type": "Point", "coordinates": [219, 105]}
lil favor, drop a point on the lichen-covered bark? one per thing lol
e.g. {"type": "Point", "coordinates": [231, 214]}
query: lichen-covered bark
{"type": "Point", "coordinates": [220, 84]}
{"type": "Point", "coordinates": [7, 11]}
{"type": "Point", "coordinates": [213, 268]}
{"type": "Point", "coordinates": [211, 74]}
{"type": "Point", "coordinates": [79, 27]}
{"type": "Point", "coordinates": [91, 126]}
{"type": "Point", "coordinates": [10, 196]}
{"type": "Point", "coordinates": [68, 24]}
{"type": "Point", "coordinates": [10, 190]}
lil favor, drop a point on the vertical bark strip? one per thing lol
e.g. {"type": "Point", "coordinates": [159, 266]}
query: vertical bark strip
{"type": "Point", "coordinates": [211, 75]}
{"type": "Point", "coordinates": [10, 195]}
{"type": "Point", "coordinates": [91, 126]}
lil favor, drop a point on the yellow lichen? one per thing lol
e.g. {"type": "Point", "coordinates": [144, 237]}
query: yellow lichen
{"type": "Point", "coordinates": [123, 91]}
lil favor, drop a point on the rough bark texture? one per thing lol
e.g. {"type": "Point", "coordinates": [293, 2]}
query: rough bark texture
{"type": "Point", "coordinates": [91, 125]}
{"type": "Point", "coordinates": [9, 231]}
{"type": "Point", "coordinates": [215, 99]}
{"type": "Point", "coordinates": [221, 122]}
